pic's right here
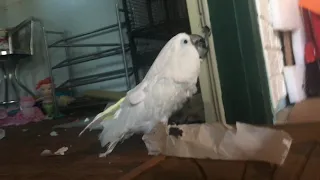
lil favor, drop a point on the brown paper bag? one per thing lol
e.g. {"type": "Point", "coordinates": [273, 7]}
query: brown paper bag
{"type": "Point", "coordinates": [214, 141]}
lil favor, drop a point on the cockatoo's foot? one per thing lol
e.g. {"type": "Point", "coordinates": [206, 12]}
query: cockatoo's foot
{"type": "Point", "coordinates": [110, 148]}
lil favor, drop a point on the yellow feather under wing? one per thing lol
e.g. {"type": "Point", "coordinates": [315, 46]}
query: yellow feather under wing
{"type": "Point", "coordinates": [108, 114]}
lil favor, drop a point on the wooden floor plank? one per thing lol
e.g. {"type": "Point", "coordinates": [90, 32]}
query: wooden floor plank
{"type": "Point", "coordinates": [259, 170]}
{"type": "Point", "coordinates": [311, 170]}
{"type": "Point", "coordinates": [142, 168]}
{"type": "Point", "coordinates": [173, 168]}
{"type": "Point", "coordinates": [232, 170]}
{"type": "Point", "coordinates": [176, 168]}
{"type": "Point", "coordinates": [295, 162]}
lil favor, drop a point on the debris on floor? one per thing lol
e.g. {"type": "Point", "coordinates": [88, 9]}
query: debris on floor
{"type": "Point", "coordinates": [2, 133]}
{"type": "Point", "coordinates": [46, 152]}
{"type": "Point", "coordinates": [59, 152]}
{"type": "Point", "coordinates": [53, 133]}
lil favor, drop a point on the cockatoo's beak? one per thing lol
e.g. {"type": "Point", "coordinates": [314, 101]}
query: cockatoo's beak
{"type": "Point", "coordinates": [200, 44]}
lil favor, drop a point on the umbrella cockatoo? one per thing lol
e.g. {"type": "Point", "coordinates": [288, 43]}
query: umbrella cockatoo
{"type": "Point", "coordinates": [170, 81]}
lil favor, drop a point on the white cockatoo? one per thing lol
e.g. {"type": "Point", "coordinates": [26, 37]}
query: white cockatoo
{"type": "Point", "coordinates": [170, 81]}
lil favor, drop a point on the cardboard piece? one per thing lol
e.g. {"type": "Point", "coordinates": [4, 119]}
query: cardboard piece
{"type": "Point", "coordinates": [215, 141]}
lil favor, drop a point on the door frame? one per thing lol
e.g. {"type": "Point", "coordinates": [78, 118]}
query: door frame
{"type": "Point", "coordinates": [256, 93]}
{"type": "Point", "coordinates": [209, 76]}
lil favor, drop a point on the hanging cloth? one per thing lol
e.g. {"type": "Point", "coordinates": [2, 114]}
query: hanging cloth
{"type": "Point", "coordinates": [311, 52]}
{"type": "Point", "coordinates": [315, 24]}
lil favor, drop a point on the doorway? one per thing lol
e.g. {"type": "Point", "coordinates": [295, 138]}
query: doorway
{"type": "Point", "coordinates": [241, 83]}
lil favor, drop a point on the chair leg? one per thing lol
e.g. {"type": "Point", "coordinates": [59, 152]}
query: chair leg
{"type": "Point", "coordinates": [9, 70]}
{"type": "Point", "coordinates": [14, 86]}
{"type": "Point", "coordinates": [5, 82]}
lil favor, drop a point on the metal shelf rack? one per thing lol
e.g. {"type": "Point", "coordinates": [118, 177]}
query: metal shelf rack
{"type": "Point", "coordinates": [116, 49]}
{"type": "Point", "coordinates": [113, 49]}
{"type": "Point", "coordinates": [85, 80]}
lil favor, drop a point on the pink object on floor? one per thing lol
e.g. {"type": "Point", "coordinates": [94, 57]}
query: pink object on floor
{"type": "Point", "coordinates": [28, 113]}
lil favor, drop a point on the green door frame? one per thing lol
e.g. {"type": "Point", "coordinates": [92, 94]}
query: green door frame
{"type": "Point", "coordinates": [240, 60]}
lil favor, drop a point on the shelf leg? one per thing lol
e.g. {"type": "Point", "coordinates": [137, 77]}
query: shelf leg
{"type": "Point", "coordinates": [122, 46]}
{"type": "Point", "coordinates": [49, 67]}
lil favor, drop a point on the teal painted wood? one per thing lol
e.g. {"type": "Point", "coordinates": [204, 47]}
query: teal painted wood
{"type": "Point", "coordinates": [240, 59]}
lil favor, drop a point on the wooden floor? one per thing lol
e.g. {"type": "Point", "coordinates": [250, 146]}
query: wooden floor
{"type": "Point", "coordinates": [20, 158]}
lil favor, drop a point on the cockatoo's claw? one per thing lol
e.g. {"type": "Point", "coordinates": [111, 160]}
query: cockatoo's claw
{"type": "Point", "coordinates": [103, 155]}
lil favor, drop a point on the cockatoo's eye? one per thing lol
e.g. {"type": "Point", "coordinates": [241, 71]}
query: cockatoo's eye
{"type": "Point", "coordinates": [185, 41]}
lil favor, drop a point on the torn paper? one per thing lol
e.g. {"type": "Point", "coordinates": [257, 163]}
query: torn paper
{"type": "Point", "coordinates": [46, 152]}
{"type": "Point", "coordinates": [53, 133]}
{"type": "Point", "coordinates": [59, 152]}
{"type": "Point", "coordinates": [215, 141]}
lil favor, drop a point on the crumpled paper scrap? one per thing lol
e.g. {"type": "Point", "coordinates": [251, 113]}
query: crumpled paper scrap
{"type": "Point", "coordinates": [215, 141]}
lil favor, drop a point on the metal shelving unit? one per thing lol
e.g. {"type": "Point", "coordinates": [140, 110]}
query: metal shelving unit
{"type": "Point", "coordinates": [115, 48]}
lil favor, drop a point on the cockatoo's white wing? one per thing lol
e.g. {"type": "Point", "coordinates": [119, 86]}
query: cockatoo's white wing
{"type": "Point", "coordinates": [163, 96]}
{"type": "Point", "coordinates": [137, 94]}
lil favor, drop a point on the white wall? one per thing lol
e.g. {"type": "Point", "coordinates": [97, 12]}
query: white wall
{"type": "Point", "coordinates": [273, 56]}
{"type": "Point", "coordinates": [73, 16]}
